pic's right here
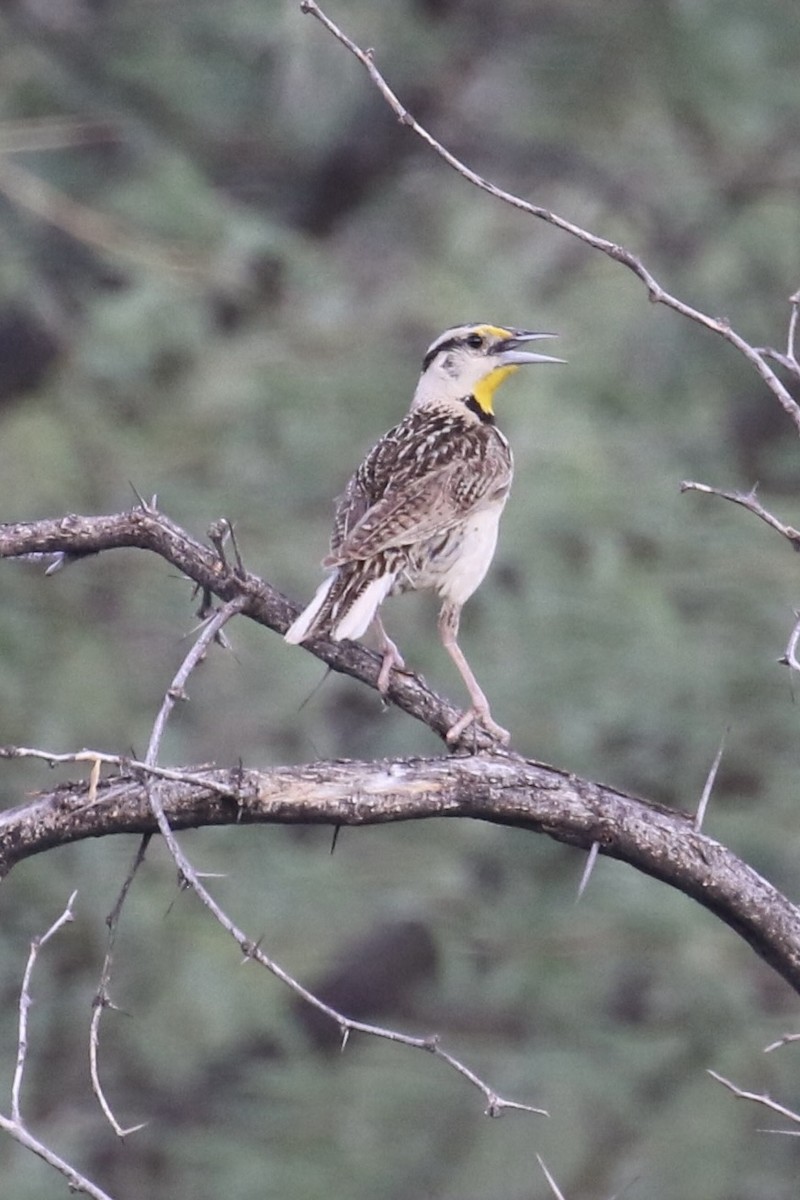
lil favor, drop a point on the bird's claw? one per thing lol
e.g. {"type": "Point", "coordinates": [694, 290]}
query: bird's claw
{"type": "Point", "coordinates": [474, 714]}
{"type": "Point", "coordinates": [392, 660]}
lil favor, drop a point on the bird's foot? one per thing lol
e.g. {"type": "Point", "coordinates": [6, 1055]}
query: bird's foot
{"type": "Point", "coordinates": [392, 658]}
{"type": "Point", "coordinates": [485, 717]}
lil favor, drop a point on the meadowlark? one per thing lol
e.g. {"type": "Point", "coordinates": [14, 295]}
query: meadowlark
{"type": "Point", "coordinates": [422, 510]}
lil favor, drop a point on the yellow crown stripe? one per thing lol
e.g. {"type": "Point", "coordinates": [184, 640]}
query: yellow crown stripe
{"type": "Point", "coordinates": [494, 331]}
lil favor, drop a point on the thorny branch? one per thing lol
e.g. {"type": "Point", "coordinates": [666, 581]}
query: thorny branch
{"type": "Point", "coordinates": [499, 787]}
{"type": "Point", "coordinates": [25, 1003]}
{"type": "Point", "coordinates": [495, 1104]}
{"type": "Point", "coordinates": [102, 999]}
{"type": "Point", "coordinates": [764, 1100]}
{"type": "Point", "coordinates": [176, 691]}
{"type": "Point", "coordinates": [748, 500]}
{"type": "Point", "coordinates": [15, 1125]}
{"type": "Point", "coordinates": [75, 537]}
{"type": "Point", "coordinates": [657, 294]}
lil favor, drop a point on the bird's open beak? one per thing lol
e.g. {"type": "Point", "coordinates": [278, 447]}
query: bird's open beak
{"type": "Point", "coordinates": [510, 353]}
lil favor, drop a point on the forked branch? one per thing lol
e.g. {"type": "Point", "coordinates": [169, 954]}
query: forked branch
{"type": "Point", "coordinates": [15, 1125]}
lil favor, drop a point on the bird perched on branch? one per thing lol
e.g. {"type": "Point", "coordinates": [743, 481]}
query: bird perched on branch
{"type": "Point", "coordinates": [422, 510]}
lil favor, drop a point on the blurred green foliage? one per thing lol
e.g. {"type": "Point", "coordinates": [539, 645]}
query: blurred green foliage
{"type": "Point", "coordinates": [282, 252]}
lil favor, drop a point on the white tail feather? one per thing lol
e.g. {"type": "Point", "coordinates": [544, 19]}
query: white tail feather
{"type": "Point", "coordinates": [356, 620]}
{"type": "Point", "coordinates": [298, 630]}
{"type": "Point", "coordinates": [353, 622]}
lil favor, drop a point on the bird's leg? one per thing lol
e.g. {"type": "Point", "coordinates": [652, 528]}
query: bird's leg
{"type": "Point", "coordinates": [448, 631]}
{"type": "Point", "coordinates": [391, 656]}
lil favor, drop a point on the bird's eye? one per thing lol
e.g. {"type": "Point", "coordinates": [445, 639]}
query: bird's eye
{"type": "Point", "coordinates": [475, 341]}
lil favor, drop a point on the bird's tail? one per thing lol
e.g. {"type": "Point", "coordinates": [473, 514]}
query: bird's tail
{"type": "Point", "coordinates": [313, 617]}
{"type": "Point", "coordinates": [343, 607]}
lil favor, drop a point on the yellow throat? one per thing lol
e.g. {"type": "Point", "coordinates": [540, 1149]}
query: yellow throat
{"type": "Point", "coordinates": [485, 390]}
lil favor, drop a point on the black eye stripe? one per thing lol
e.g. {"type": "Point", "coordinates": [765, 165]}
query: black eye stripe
{"type": "Point", "coordinates": [450, 344]}
{"type": "Point", "coordinates": [436, 350]}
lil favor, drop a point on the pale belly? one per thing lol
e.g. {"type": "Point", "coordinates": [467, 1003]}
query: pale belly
{"type": "Point", "coordinates": [455, 563]}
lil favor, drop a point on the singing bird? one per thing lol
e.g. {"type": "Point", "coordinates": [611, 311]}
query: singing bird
{"type": "Point", "coordinates": [422, 510]}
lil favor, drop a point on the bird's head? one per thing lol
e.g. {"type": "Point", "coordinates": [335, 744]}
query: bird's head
{"type": "Point", "coordinates": [466, 365]}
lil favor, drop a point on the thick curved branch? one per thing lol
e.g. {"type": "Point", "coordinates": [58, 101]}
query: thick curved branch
{"type": "Point", "coordinates": [500, 787]}
{"type": "Point", "coordinates": [145, 528]}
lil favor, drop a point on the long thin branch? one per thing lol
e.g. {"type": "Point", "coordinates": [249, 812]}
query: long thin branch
{"type": "Point", "coordinates": [102, 999]}
{"type": "Point", "coordinates": [498, 787]}
{"type": "Point", "coordinates": [749, 501]}
{"type": "Point", "coordinates": [14, 1125]}
{"type": "Point", "coordinates": [656, 293]}
{"type": "Point", "coordinates": [764, 1100]}
{"type": "Point", "coordinates": [76, 1181]}
{"type": "Point", "coordinates": [789, 360]}
{"type": "Point", "coordinates": [175, 692]}
{"type": "Point", "coordinates": [25, 1003]}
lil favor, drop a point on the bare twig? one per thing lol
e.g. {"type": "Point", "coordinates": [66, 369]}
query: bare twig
{"type": "Point", "coordinates": [788, 360]}
{"type": "Point", "coordinates": [559, 1195]}
{"type": "Point", "coordinates": [709, 785]}
{"type": "Point", "coordinates": [789, 657]}
{"type": "Point", "coordinates": [102, 1000]}
{"type": "Point", "coordinates": [791, 350]}
{"type": "Point", "coordinates": [656, 293]}
{"type": "Point", "coordinates": [14, 1125]}
{"type": "Point", "coordinates": [748, 500]}
{"type": "Point", "coordinates": [124, 764]}
{"type": "Point", "coordinates": [786, 1040]}
{"type": "Point", "coordinates": [76, 1181]}
{"type": "Point", "coordinates": [495, 1104]}
{"type": "Point", "coordinates": [764, 1100]}
{"type": "Point", "coordinates": [175, 692]}
{"type": "Point", "coordinates": [25, 1003]}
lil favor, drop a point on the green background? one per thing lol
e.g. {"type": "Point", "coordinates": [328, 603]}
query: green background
{"type": "Point", "coordinates": [280, 254]}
